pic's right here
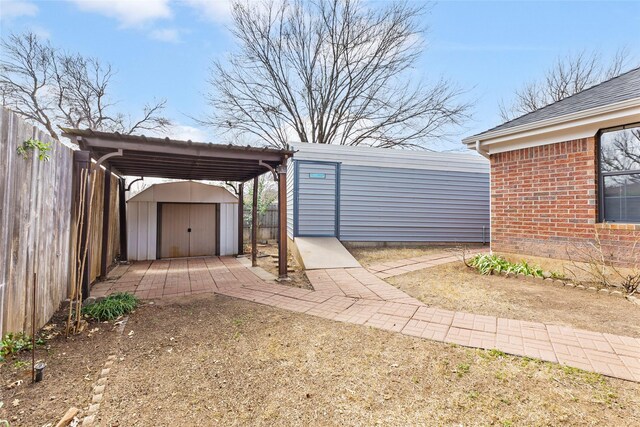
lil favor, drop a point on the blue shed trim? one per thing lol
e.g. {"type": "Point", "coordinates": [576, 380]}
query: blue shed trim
{"type": "Point", "coordinates": [296, 198]}
{"type": "Point", "coordinates": [338, 201]}
{"type": "Point", "coordinates": [296, 181]}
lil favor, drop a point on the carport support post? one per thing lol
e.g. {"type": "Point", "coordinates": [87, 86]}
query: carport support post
{"type": "Point", "coordinates": [106, 211]}
{"type": "Point", "coordinates": [241, 218]}
{"type": "Point", "coordinates": [122, 205]}
{"type": "Point", "coordinates": [282, 221]}
{"type": "Point", "coordinates": [254, 224]}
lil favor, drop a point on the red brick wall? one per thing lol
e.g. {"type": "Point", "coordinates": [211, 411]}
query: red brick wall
{"type": "Point", "coordinates": [544, 203]}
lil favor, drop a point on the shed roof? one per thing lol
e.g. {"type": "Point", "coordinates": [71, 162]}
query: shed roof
{"type": "Point", "coordinates": [391, 158]}
{"type": "Point", "coordinates": [184, 192]}
{"type": "Point", "coordinates": [177, 159]}
{"type": "Point", "coordinates": [618, 89]}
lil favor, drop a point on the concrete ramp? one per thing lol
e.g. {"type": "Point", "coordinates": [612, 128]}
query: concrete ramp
{"type": "Point", "coordinates": [323, 252]}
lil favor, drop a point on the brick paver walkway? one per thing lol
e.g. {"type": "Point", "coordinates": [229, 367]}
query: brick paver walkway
{"type": "Point", "coordinates": [384, 270]}
{"type": "Point", "coordinates": [356, 295]}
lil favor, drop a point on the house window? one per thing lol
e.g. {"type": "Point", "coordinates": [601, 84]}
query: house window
{"type": "Point", "coordinates": [620, 174]}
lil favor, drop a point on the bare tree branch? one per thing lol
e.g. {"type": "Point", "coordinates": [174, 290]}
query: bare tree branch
{"type": "Point", "coordinates": [54, 88]}
{"type": "Point", "coordinates": [330, 72]}
{"type": "Point", "coordinates": [568, 76]}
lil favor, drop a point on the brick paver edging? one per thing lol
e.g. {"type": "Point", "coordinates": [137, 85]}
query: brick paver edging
{"type": "Point", "coordinates": [355, 295]}
{"type": "Point", "coordinates": [384, 270]}
{"type": "Point", "coordinates": [97, 396]}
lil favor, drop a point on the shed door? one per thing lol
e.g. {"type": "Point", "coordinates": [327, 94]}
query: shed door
{"type": "Point", "coordinates": [202, 239]}
{"type": "Point", "coordinates": [317, 199]}
{"type": "Point", "coordinates": [187, 229]}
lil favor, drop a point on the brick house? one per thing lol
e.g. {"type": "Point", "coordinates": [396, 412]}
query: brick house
{"type": "Point", "coordinates": [568, 174]}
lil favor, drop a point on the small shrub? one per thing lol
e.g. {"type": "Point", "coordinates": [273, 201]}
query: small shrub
{"type": "Point", "coordinates": [111, 307]}
{"type": "Point", "coordinates": [494, 264]}
{"type": "Point", "coordinates": [14, 343]}
{"type": "Point", "coordinates": [489, 263]}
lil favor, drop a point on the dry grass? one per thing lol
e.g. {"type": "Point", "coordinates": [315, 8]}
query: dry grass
{"type": "Point", "coordinates": [268, 260]}
{"type": "Point", "coordinates": [256, 365]}
{"type": "Point", "coordinates": [213, 360]}
{"type": "Point", "coordinates": [373, 255]}
{"type": "Point", "coordinates": [456, 287]}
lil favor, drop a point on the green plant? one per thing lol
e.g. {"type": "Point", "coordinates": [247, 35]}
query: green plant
{"type": "Point", "coordinates": [462, 369]}
{"type": "Point", "coordinates": [489, 263]}
{"type": "Point", "coordinates": [19, 364]}
{"type": "Point", "coordinates": [111, 307]}
{"type": "Point", "coordinates": [13, 343]}
{"type": "Point", "coordinates": [35, 144]}
{"type": "Point", "coordinates": [495, 264]}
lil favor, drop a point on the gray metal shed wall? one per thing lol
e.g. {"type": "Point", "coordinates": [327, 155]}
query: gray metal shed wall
{"type": "Point", "coordinates": [410, 205]}
{"type": "Point", "coordinates": [316, 199]}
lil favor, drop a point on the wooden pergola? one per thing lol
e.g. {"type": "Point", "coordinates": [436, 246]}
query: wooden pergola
{"type": "Point", "coordinates": [149, 157]}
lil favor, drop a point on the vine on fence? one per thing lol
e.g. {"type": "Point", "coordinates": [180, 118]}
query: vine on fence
{"type": "Point", "coordinates": [35, 144]}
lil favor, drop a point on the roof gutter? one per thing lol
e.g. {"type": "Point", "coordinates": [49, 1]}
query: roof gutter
{"type": "Point", "coordinates": [480, 150]}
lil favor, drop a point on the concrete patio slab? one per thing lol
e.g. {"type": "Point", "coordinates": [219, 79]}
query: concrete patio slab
{"type": "Point", "coordinates": [324, 252]}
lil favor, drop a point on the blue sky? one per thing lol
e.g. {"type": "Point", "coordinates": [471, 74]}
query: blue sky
{"type": "Point", "coordinates": [163, 48]}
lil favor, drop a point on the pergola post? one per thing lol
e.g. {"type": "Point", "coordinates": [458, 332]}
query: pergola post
{"type": "Point", "coordinates": [241, 218]}
{"type": "Point", "coordinates": [82, 161]}
{"type": "Point", "coordinates": [254, 224]}
{"type": "Point", "coordinates": [122, 205]}
{"type": "Point", "coordinates": [282, 221]}
{"type": "Point", "coordinates": [106, 211]}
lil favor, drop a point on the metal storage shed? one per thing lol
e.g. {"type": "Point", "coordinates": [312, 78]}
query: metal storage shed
{"type": "Point", "coordinates": [182, 219]}
{"type": "Point", "coordinates": [365, 194]}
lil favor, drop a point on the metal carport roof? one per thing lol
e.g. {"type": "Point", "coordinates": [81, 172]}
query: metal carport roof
{"type": "Point", "coordinates": [170, 158]}
{"type": "Point", "coordinates": [133, 155]}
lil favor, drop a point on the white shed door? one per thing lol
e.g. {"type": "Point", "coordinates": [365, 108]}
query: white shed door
{"type": "Point", "coordinates": [187, 229]}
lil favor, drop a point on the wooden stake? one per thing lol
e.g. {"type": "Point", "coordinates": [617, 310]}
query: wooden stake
{"type": "Point", "coordinates": [33, 330]}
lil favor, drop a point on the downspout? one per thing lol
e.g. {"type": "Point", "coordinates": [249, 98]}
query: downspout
{"type": "Point", "coordinates": [485, 155]}
{"type": "Point", "coordinates": [480, 150]}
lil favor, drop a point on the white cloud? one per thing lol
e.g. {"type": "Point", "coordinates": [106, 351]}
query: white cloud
{"type": "Point", "coordinates": [169, 35]}
{"type": "Point", "coordinates": [130, 13]}
{"type": "Point", "coordinates": [15, 8]}
{"type": "Point", "coordinates": [214, 10]}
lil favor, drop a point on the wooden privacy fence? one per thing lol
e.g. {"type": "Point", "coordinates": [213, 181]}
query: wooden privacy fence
{"type": "Point", "coordinates": [36, 226]}
{"type": "Point", "coordinates": [267, 223]}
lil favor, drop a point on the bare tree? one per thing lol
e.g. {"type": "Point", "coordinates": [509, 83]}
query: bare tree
{"type": "Point", "coordinates": [568, 75]}
{"type": "Point", "coordinates": [55, 88]}
{"type": "Point", "coordinates": [330, 72]}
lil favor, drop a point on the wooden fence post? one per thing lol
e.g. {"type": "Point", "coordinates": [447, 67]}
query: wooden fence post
{"type": "Point", "coordinates": [106, 213]}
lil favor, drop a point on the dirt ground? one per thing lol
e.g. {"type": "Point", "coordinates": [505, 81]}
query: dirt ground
{"type": "Point", "coordinates": [373, 255]}
{"type": "Point", "coordinates": [220, 361]}
{"type": "Point", "coordinates": [72, 368]}
{"type": "Point", "coordinates": [456, 287]}
{"type": "Point", "coordinates": [268, 260]}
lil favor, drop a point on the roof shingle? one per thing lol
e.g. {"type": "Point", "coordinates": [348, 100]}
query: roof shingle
{"type": "Point", "coordinates": [621, 88]}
